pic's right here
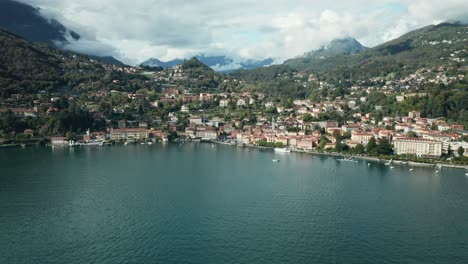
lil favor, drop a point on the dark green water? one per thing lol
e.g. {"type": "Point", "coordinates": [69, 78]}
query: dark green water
{"type": "Point", "coordinates": [219, 204]}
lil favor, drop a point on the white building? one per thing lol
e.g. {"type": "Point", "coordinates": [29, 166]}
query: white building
{"type": "Point", "coordinates": [185, 109]}
{"type": "Point", "coordinates": [197, 120]}
{"type": "Point", "coordinates": [224, 102]}
{"type": "Point", "coordinates": [241, 102]}
{"type": "Point", "coordinates": [268, 104]}
{"type": "Point", "coordinates": [418, 146]}
{"type": "Point", "coordinates": [361, 137]}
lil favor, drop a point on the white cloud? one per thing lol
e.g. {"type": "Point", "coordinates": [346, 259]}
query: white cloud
{"type": "Point", "coordinates": [136, 30]}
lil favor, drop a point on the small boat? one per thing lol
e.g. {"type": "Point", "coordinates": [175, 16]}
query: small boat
{"type": "Point", "coordinates": [275, 160]}
{"type": "Point", "coordinates": [436, 171]}
{"type": "Point", "coordinates": [391, 167]}
{"type": "Point", "coordinates": [466, 174]}
{"type": "Point", "coordinates": [388, 163]}
{"type": "Point", "coordinates": [368, 164]}
{"type": "Point", "coordinates": [149, 143]}
{"type": "Point", "coordinates": [350, 159]}
{"type": "Point", "coordinates": [282, 150]}
{"type": "Point", "coordinates": [126, 143]}
{"type": "Point", "coordinates": [411, 169]}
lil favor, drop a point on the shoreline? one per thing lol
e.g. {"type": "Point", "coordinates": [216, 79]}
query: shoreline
{"type": "Point", "coordinates": [399, 162]}
{"type": "Point", "coordinates": [313, 152]}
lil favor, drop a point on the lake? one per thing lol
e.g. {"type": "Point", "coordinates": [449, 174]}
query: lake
{"type": "Point", "coordinates": [203, 203]}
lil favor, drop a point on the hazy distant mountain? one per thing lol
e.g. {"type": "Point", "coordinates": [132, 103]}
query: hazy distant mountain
{"type": "Point", "coordinates": [218, 63]}
{"type": "Point", "coordinates": [26, 21]}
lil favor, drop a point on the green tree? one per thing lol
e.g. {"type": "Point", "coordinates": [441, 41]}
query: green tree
{"type": "Point", "coordinates": [307, 118]}
{"type": "Point", "coordinates": [346, 135]}
{"type": "Point", "coordinates": [359, 149]}
{"type": "Point", "coordinates": [140, 109]}
{"type": "Point", "coordinates": [322, 143]}
{"type": "Point", "coordinates": [449, 151]}
{"type": "Point", "coordinates": [172, 136]}
{"type": "Point", "coordinates": [384, 147]}
{"type": "Point", "coordinates": [411, 134]}
{"type": "Point", "coordinates": [69, 135]}
{"type": "Point", "coordinates": [338, 146]}
{"type": "Point", "coordinates": [278, 144]}
{"type": "Point", "coordinates": [371, 146]}
{"type": "Point", "coordinates": [460, 151]}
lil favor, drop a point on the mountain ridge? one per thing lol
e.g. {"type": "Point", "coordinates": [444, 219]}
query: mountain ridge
{"type": "Point", "coordinates": [430, 45]}
{"type": "Point", "coordinates": [27, 22]}
{"type": "Point", "coordinates": [219, 63]}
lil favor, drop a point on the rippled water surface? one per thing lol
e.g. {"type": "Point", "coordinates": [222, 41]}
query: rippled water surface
{"type": "Point", "coordinates": [199, 203]}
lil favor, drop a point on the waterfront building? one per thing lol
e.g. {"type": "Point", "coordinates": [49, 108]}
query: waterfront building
{"type": "Point", "coordinates": [206, 133]}
{"type": "Point", "coordinates": [129, 133]}
{"type": "Point", "coordinates": [58, 140]}
{"type": "Point", "coordinates": [417, 146]}
{"type": "Point", "coordinates": [305, 144]}
{"type": "Point", "coordinates": [361, 137]}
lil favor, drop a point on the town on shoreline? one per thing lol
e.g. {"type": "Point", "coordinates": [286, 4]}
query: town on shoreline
{"type": "Point", "coordinates": [338, 121]}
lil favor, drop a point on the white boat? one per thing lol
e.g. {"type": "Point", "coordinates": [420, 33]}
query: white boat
{"type": "Point", "coordinates": [368, 164]}
{"type": "Point", "coordinates": [411, 169]}
{"type": "Point", "coordinates": [391, 167]}
{"type": "Point", "coordinates": [282, 150]}
{"type": "Point", "coordinates": [388, 163]}
{"type": "Point", "coordinates": [92, 143]}
{"type": "Point", "coordinates": [466, 174]}
{"type": "Point", "coordinates": [72, 143]}
{"type": "Point", "coordinates": [149, 143]}
{"type": "Point", "coordinates": [275, 160]}
{"type": "Point", "coordinates": [350, 159]}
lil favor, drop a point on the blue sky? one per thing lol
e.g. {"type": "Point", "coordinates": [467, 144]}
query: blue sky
{"type": "Point", "coordinates": [134, 31]}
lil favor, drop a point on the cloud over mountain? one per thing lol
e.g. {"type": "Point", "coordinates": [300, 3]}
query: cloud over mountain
{"type": "Point", "coordinates": [133, 31]}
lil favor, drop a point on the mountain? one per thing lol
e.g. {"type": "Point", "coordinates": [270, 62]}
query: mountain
{"type": "Point", "coordinates": [337, 47]}
{"type": "Point", "coordinates": [26, 21]}
{"type": "Point", "coordinates": [218, 63]}
{"type": "Point", "coordinates": [29, 67]}
{"type": "Point", "coordinates": [429, 46]}
{"type": "Point", "coordinates": [109, 60]}
{"type": "Point", "coordinates": [25, 67]}
{"type": "Point", "coordinates": [344, 46]}
{"type": "Point", "coordinates": [155, 63]}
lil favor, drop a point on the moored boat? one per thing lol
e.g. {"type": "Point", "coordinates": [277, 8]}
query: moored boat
{"type": "Point", "coordinates": [282, 150]}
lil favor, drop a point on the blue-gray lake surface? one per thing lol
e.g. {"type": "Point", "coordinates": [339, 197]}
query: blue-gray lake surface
{"type": "Point", "coordinates": [203, 203]}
